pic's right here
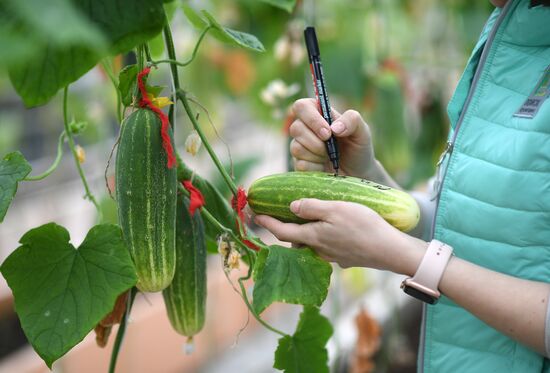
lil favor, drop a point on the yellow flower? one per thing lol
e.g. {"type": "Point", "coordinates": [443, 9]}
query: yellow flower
{"type": "Point", "coordinates": [160, 102]}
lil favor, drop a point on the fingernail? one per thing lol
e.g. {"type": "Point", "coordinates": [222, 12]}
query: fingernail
{"type": "Point", "coordinates": [295, 206]}
{"type": "Point", "coordinates": [338, 127]}
{"type": "Point", "coordinates": [324, 133]}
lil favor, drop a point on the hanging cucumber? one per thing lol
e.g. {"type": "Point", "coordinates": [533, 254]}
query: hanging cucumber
{"type": "Point", "coordinates": [146, 197]}
{"type": "Point", "coordinates": [185, 298]}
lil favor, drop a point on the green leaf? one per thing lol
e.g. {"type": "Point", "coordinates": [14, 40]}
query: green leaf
{"type": "Point", "coordinates": [27, 27]}
{"type": "Point", "coordinates": [221, 33]}
{"type": "Point", "coordinates": [13, 168]}
{"type": "Point", "coordinates": [46, 17]}
{"type": "Point", "coordinates": [156, 44]}
{"type": "Point", "coordinates": [123, 23]}
{"type": "Point", "coordinates": [194, 17]}
{"type": "Point", "coordinates": [305, 350]}
{"type": "Point", "coordinates": [39, 80]}
{"type": "Point", "coordinates": [289, 275]}
{"type": "Point", "coordinates": [154, 90]}
{"type": "Point", "coordinates": [287, 5]}
{"type": "Point", "coordinates": [127, 84]}
{"type": "Point", "coordinates": [62, 293]}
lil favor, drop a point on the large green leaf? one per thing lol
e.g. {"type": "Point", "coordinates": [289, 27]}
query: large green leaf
{"type": "Point", "coordinates": [62, 293]}
{"type": "Point", "coordinates": [223, 34]}
{"type": "Point", "coordinates": [305, 351]}
{"type": "Point", "coordinates": [27, 27]}
{"type": "Point", "coordinates": [156, 44]}
{"type": "Point", "coordinates": [123, 23]}
{"type": "Point", "coordinates": [289, 275]}
{"type": "Point", "coordinates": [287, 5]}
{"type": "Point", "coordinates": [13, 168]}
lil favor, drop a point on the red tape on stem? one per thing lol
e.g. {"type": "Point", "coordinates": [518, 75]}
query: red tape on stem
{"type": "Point", "coordinates": [196, 199]}
{"type": "Point", "coordinates": [238, 204]}
{"type": "Point", "coordinates": [165, 124]}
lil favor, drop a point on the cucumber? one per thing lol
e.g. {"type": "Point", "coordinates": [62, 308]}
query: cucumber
{"type": "Point", "coordinates": [272, 195]}
{"type": "Point", "coordinates": [185, 298]}
{"type": "Point", "coordinates": [146, 198]}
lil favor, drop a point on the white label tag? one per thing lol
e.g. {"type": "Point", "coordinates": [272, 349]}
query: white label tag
{"type": "Point", "coordinates": [531, 106]}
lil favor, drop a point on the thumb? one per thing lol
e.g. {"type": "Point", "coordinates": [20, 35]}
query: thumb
{"type": "Point", "coordinates": [311, 208]}
{"type": "Point", "coordinates": [351, 124]}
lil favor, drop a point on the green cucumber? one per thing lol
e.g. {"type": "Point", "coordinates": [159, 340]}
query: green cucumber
{"type": "Point", "coordinates": [272, 195]}
{"type": "Point", "coordinates": [146, 198]}
{"type": "Point", "coordinates": [185, 298]}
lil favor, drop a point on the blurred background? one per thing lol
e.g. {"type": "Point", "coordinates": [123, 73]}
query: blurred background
{"type": "Point", "coordinates": [395, 61]}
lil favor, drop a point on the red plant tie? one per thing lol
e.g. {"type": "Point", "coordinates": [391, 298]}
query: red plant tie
{"type": "Point", "coordinates": [196, 199]}
{"type": "Point", "coordinates": [146, 102]}
{"type": "Point", "coordinates": [238, 205]}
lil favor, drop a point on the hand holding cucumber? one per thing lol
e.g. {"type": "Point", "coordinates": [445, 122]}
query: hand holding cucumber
{"type": "Point", "coordinates": [349, 234]}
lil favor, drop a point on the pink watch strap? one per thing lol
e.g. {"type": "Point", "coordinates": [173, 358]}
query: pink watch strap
{"type": "Point", "coordinates": [433, 265]}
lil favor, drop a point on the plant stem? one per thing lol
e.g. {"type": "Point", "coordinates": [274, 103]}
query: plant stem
{"type": "Point", "coordinates": [88, 194]}
{"type": "Point", "coordinates": [181, 95]}
{"type": "Point", "coordinates": [122, 330]}
{"type": "Point", "coordinates": [172, 60]}
{"type": "Point", "coordinates": [54, 164]}
{"type": "Point", "coordinates": [206, 214]}
{"type": "Point", "coordinates": [147, 53]}
{"type": "Point", "coordinates": [247, 302]}
{"type": "Point", "coordinates": [169, 42]}
{"type": "Point", "coordinates": [109, 71]}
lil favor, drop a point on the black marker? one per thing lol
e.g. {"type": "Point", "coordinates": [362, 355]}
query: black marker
{"type": "Point", "coordinates": [321, 91]}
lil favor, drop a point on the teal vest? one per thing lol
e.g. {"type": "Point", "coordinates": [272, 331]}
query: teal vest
{"type": "Point", "coordinates": [494, 203]}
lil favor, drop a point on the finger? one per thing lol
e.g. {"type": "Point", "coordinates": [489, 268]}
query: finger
{"type": "Point", "coordinates": [288, 232]}
{"type": "Point", "coordinates": [312, 209]}
{"type": "Point", "coordinates": [299, 131]}
{"type": "Point", "coordinates": [307, 111]}
{"type": "Point", "coordinates": [302, 165]}
{"type": "Point", "coordinates": [350, 124]}
{"type": "Point", "coordinates": [299, 151]}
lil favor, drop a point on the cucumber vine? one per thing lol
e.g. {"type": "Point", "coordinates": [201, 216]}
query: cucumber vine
{"type": "Point", "coordinates": [262, 264]}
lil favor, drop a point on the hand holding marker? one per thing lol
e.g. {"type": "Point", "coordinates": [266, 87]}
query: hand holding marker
{"type": "Point", "coordinates": [320, 91]}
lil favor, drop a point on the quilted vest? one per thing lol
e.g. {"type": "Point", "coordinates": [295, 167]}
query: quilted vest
{"type": "Point", "coordinates": [494, 202]}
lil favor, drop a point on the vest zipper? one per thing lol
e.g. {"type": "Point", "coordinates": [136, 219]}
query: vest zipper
{"type": "Point", "coordinates": [449, 147]}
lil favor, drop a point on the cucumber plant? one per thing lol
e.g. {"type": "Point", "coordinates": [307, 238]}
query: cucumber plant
{"type": "Point", "coordinates": [61, 292]}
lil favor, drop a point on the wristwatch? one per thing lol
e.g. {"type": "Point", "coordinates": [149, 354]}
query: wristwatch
{"type": "Point", "coordinates": [424, 284]}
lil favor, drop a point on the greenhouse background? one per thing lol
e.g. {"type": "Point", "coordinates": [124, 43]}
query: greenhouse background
{"type": "Point", "coordinates": [396, 62]}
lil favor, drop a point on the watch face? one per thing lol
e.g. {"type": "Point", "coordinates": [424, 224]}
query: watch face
{"type": "Point", "coordinates": [419, 295]}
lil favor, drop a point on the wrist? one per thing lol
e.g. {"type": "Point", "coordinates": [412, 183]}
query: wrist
{"type": "Point", "coordinates": [424, 285]}
{"type": "Point", "coordinates": [409, 255]}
